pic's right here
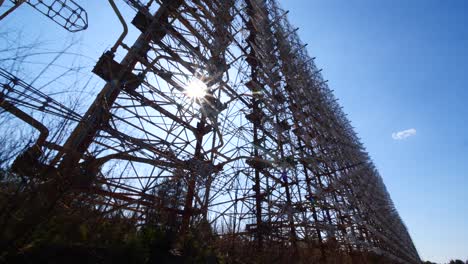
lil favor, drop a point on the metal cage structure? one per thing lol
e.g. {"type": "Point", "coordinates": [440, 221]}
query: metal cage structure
{"type": "Point", "coordinates": [260, 149]}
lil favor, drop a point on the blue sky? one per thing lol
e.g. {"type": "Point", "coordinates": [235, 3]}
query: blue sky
{"type": "Point", "coordinates": [394, 65]}
{"type": "Point", "coordinates": [397, 65]}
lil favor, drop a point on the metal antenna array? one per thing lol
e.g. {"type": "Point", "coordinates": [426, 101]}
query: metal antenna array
{"type": "Point", "coordinates": [65, 13]}
{"type": "Point", "coordinates": [221, 99]}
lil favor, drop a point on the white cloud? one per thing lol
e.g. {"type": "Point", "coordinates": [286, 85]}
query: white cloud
{"type": "Point", "coordinates": [404, 134]}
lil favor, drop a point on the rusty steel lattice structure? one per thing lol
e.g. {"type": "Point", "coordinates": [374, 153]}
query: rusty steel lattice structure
{"type": "Point", "coordinates": [266, 153]}
{"type": "Point", "coordinates": [66, 13]}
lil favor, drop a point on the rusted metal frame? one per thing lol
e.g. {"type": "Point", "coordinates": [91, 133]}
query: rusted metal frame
{"type": "Point", "coordinates": [178, 36]}
{"type": "Point", "coordinates": [160, 109]}
{"type": "Point", "coordinates": [108, 187]}
{"type": "Point", "coordinates": [123, 145]}
{"type": "Point", "coordinates": [111, 129]}
{"type": "Point", "coordinates": [320, 123]}
{"type": "Point", "coordinates": [216, 75]}
{"type": "Point", "coordinates": [228, 160]}
{"type": "Point", "coordinates": [258, 195]}
{"type": "Point", "coordinates": [188, 213]}
{"type": "Point", "coordinates": [138, 5]}
{"type": "Point", "coordinates": [293, 235]}
{"type": "Point", "coordinates": [45, 106]}
{"type": "Point", "coordinates": [314, 211]}
{"type": "Point", "coordinates": [132, 203]}
{"type": "Point", "coordinates": [326, 211]}
{"type": "Point", "coordinates": [233, 94]}
{"type": "Point", "coordinates": [170, 81]}
{"type": "Point", "coordinates": [60, 114]}
{"type": "Point", "coordinates": [299, 205]}
{"type": "Point", "coordinates": [27, 99]}
{"type": "Point", "coordinates": [118, 208]}
{"type": "Point", "coordinates": [134, 177]}
{"type": "Point", "coordinates": [235, 150]}
{"type": "Point", "coordinates": [265, 131]}
{"type": "Point", "coordinates": [149, 147]}
{"type": "Point", "coordinates": [140, 118]}
{"type": "Point", "coordinates": [360, 215]}
{"type": "Point", "coordinates": [131, 191]}
{"type": "Point", "coordinates": [125, 152]}
{"type": "Point", "coordinates": [256, 140]}
{"type": "Point", "coordinates": [276, 210]}
{"type": "Point", "coordinates": [157, 140]}
{"type": "Point", "coordinates": [172, 55]}
{"type": "Point", "coordinates": [209, 181]}
{"type": "Point", "coordinates": [114, 207]}
{"type": "Point", "coordinates": [169, 100]}
{"type": "Point", "coordinates": [23, 96]}
{"type": "Point", "coordinates": [125, 197]}
{"type": "Point", "coordinates": [193, 30]}
{"type": "Point", "coordinates": [109, 147]}
{"type": "Point", "coordinates": [323, 149]}
{"type": "Point", "coordinates": [127, 157]}
{"type": "Point", "coordinates": [43, 131]}
{"type": "Point", "coordinates": [379, 223]}
{"type": "Point", "coordinates": [340, 213]}
{"type": "Point", "coordinates": [75, 11]}
{"type": "Point", "coordinates": [197, 155]}
{"type": "Point", "coordinates": [395, 246]}
{"type": "Point", "coordinates": [224, 185]}
{"type": "Point", "coordinates": [11, 9]}
{"type": "Point", "coordinates": [124, 25]}
{"type": "Point", "coordinates": [147, 133]}
{"type": "Point", "coordinates": [319, 183]}
{"type": "Point", "coordinates": [161, 73]}
{"type": "Point", "coordinates": [202, 7]}
{"type": "Point", "coordinates": [247, 206]}
{"type": "Point", "coordinates": [176, 58]}
{"type": "Point", "coordinates": [116, 184]}
{"type": "Point", "coordinates": [236, 211]}
{"type": "Point", "coordinates": [233, 202]}
{"type": "Point", "coordinates": [213, 195]}
{"type": "Point", "coordinates": [212, 9]}
{"type": "Point", "coordinates": [155, 137]}
{"type": "Point", "coordinates": [370, 208]}
{"type": "Point", "coordinates": [84, 133]}
{"type": "Point", "coordinates": [141, 192]}
{"type": "Point", "coordinates": [329, 144]}
{"type": "Point", "coordinates": [143, 119]}
{"type": "Point", "coordinates": [394, 238]}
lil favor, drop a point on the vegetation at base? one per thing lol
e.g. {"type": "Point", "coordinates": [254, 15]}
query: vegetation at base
{"type": "Point", "coordinates": [113, 241]}
{"type": "Point", "coordinates": [72, 230]}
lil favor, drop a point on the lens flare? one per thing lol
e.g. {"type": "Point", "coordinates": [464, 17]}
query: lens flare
{"type": "Point", "coordinates": [196, 89]}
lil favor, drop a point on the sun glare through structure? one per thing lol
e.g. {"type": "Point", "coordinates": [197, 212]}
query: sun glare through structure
{"type": "Point", "coordinates": [196, 89]}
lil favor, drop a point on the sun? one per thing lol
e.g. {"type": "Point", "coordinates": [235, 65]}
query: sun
{"type": "Point", "coordinates": [196, 89]}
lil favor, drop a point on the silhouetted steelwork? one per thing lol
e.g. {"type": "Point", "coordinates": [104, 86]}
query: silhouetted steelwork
{"type": "Point", "coordinates": [261, 148]}
{"type": "Point", "coordinates": [66, 13]}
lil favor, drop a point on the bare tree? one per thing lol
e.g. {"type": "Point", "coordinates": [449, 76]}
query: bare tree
{"type": "Point", "coordinates": [36, 114]}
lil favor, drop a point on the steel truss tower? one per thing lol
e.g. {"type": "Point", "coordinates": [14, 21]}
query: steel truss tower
{"type": "Point", "coordinates": [263, 152]}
